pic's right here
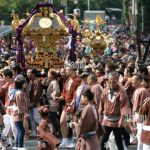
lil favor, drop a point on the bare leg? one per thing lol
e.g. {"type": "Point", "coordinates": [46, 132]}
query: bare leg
{"type": "Point", "coordinates": [63, 125]}
{"type": "Point", "coordinates": [64, 130]}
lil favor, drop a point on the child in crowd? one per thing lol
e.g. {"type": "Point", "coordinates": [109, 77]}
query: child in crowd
{"type": "Point", "coordinates": [46, 140]}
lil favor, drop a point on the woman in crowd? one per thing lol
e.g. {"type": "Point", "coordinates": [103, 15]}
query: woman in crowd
{"type": "Point", "coordinates": [52, 92]}
{"type": "Point", "coordinates": [19, 110]}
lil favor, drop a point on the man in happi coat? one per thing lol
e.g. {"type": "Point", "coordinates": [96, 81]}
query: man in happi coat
{"type": "Point", "coordinates": [109, 67]}
{"type": "Point", "coordinates": [68, 93]}
{"type": "Point", "coordinates": [145, 114]}
{"type": "Point", "coordinates": [139, 96]}
{"type": "Point", "coordinates": [96, 88]}
{"type": "Point", "coordinates": [76, 104]}
{"type": "Point", "coordinates": [114, 106]}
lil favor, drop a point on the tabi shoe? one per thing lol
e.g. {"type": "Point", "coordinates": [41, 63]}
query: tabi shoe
{"type": "Point", "coordinates": [133, 139]}
{"type": "Point", "coordinates": [64, 144]}
{"type": "Point", "coordinates": [14, 148]}
{"type": "Point", "coordinates": [22, 148]}
{"type": "Point", "coordinates": [71, 146]}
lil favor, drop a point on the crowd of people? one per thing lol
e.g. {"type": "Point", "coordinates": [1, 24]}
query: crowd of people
{"type": "Point", "coordinates": [108, 97]}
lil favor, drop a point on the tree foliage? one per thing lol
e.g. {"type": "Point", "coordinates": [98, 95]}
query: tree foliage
{"type": "Point", "coordinates": [19, 6]}
{"type": "Point", "coordinates": [23, 6]}
{"type": "Point", "coordinates": [146, 4]}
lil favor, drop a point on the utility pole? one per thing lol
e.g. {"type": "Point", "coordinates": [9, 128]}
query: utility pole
{"type": "Point", "coordinates": [88, 4]}
{"type": "Point", "coordinates": [66, 9]}
{"type": "Point", "coordinates": [134, 12]}
{"type": "Point", "coordinates": [142, 11]}
{"type": "Point", "coordinates": [64, 3]}
{"type": "Point", "coordinates": [50, 1]}
{"type": "Point", "coordinates": [124, 12]}
{"type": "Point", "coordinates": [139, 29]}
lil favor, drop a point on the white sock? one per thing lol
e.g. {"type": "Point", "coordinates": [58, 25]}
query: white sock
{"type": "Point", "coordinates": [65, 140]}
{"type": "Point", "coordinates": [4, 148]}
{"type": "Point", "coordinates": [10, 140]}
{"type": "Point", "coordinates": [132, 135]}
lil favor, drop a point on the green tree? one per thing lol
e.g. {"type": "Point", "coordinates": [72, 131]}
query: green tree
{"type": "Point", "coordinates": [22, 6]}
{"type": "Point", "coordinates": [19, 6]}
{"type": "Point", "coordinates": [146, 4]}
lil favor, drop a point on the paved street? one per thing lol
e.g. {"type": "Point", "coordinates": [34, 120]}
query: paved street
{"type": "Point", "coordinates": [31, 145]}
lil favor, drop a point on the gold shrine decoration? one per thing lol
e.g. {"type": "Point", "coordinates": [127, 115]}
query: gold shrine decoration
{"type": "Point", "coordinates": [44, 61]}
{"type": "Point", "coordinates": [96, 39]}
{"type": "Point", "coordinates": [16, 22]}
{"type": "Point", "coordinates": [99, 21]}
{"type": "Point", "coordinates": [44, 24]}
{"type": "Point", "coordinates": [45, 28]}
{"type": "Point", "coordinates": [74, 22]}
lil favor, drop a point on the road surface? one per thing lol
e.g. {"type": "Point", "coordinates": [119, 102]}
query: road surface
{"type": "Point", "coordinates": [31, 145]}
